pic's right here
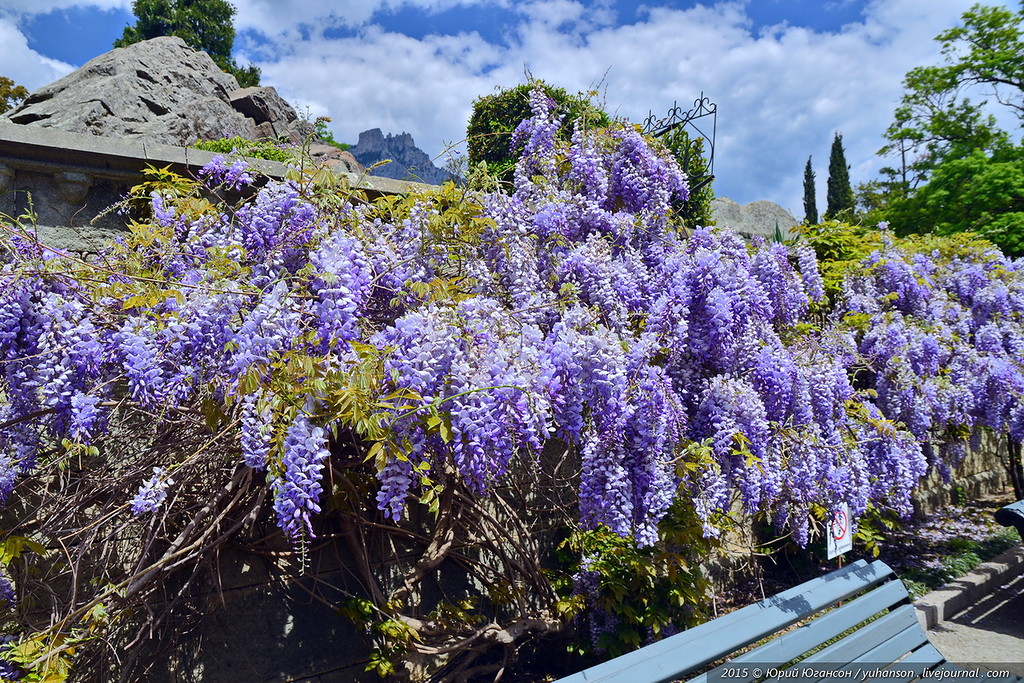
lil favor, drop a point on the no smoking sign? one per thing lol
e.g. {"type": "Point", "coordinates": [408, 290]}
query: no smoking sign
{"type": "Point", "coordinates": [839, 536]}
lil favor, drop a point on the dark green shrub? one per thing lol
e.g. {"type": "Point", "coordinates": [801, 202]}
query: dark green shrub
{"type": "Point", "coordinates": [260, 149]}
{"type": "Point", "coordinates": [496, 116]}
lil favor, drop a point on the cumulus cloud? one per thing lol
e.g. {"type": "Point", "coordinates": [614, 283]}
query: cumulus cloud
{"type": "Point", "coordinates": [20, 7]}
{"type": "Point", "coordinates": [782, 90]}
{"type": "Point", "coordinates": [286, 18]}
{"type": "Point", "coordinates": [24, 65]}
{"type": "Point", "coordinates": [389, 81]}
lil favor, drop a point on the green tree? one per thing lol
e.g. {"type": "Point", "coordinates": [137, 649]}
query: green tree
{"type": "Point", "coordinates": [957, 169]}
{"type": "Point", "coordinates": [11, 95]}
{"type": "Point", "coordinates": [936, 120]}
{"type": "Point", "coordinates": [204, 24]}
{"type": "Point", "coordinates": [981, 193]}
{"type": "Point", "coordinates": [840, 194]}
{"type": "Point", "coordinates": [496, 116]}
{"type": "Point", "coordinates": [810, 201]}
{"type": "Point", "coordinates": [695, 212]}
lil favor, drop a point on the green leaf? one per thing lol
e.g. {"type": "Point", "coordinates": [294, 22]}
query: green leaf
{"type": "Point", "coordinates": [12, 547]}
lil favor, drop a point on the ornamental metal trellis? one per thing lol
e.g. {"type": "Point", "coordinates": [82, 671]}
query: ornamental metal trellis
{"type": "Point", "coordinates": [693, 118]}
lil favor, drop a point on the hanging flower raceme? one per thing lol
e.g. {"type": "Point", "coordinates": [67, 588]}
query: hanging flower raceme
{"type": "Point", "coordinates": [565, 309]}
{"type": "Point", "coordinates": [941, 342]}
{"type": "Point", "coordinates": [152, 493]}
{"type": "Point", "coordinates": [297, 487]}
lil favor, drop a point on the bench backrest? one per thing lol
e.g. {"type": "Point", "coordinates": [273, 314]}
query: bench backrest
{"type": "Point", "coordinates": [1012, 515]}
{"type": "Point", "coordinates": [875, 605]}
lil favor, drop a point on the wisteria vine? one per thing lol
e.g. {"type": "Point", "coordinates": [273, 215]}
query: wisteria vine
{"type": "Point", "coordinates": [567, 309]}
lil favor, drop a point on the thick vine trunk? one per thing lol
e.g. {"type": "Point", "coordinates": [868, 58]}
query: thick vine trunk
{"type": "Point", "coordinates": [1016, 467]}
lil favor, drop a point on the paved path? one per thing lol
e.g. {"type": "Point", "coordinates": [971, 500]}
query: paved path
{"type": "Point", "coordinates": [989, 634]}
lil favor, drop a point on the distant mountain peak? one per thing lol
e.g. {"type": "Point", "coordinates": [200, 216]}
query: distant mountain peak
{"type": "Point", "coordinates": [408, 162]}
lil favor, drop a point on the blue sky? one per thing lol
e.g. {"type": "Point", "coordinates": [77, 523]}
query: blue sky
{"type": "Point", "coordinates": [785, 74]}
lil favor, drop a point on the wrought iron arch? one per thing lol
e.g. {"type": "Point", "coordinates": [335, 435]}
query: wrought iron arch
{"type": "Point", "coordinates": [702, 118]}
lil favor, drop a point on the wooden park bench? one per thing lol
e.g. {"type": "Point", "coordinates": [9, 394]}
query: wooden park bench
{"type": "Point", "coordinates": [854, 624]}
{"type": "Point", "coordinates": [1012, 515]}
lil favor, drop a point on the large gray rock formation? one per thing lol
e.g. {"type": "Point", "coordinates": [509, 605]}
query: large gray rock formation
{"type": "Point", "coordinates": [274, 117]}
{"type": "Point", "coordinates": [324, 154]}
{"type": "Point", "coordinates": [159, 89]}
{"type": "Point", "coordinates": [408, 162]}
{"type": "Point", "coordinates": [756, 218]}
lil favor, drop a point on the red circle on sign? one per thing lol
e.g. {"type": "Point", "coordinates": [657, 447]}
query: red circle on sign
{"type": "Point", "coordinates": [840, 525]}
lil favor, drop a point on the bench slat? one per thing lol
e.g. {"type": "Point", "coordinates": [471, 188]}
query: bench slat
{"type": "Point", "coordinates": [912, 666]}
{"type": "Point", "coordinates": [811, 635]}
{"type": "Point", "coordinates": [874, 645]}
{"type": "Point", "coordinates": [672, 657]}
{"type": "Point", "coordinates": [853, 647]}
{"type": "Point", "coordinates": [1012, 515]}
{"type": "Point", "coordinates": [906, 641]}
{"type": "Point", "coordinates": [896, 648]}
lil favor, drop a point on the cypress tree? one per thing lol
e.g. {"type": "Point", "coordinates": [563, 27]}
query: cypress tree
{"type": "Point", "coordinates": [840, 194]}
{"type": "Point", "coordinates": [810, 203]}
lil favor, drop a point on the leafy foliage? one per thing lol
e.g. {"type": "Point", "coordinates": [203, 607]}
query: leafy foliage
{"type": "Point", "coordinates": [980, 193]}
{"type": "Point", "coordinates": [958, 171]}
{"type": "Point", "coordinates": [204, 24]}
{"type": "Point", "coordinates": [840, 248]}
{"type": "Point", "coordinates": [11, 94]}
{"type": "Point", "coordinates": [695, 211]}
{"type": "Point", "coordinates": [260, 149]}
{"type": "Point", "coordinates": [495, 117]}
{"type": "Point", "coordinates": [810, 199]}
{"type": "Point", "coordinates": [624, 596]}
{"type": "Point", "coordinates": [935, 120]}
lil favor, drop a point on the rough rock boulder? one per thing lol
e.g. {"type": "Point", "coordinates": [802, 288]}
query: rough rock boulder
{"type": "Point", "coordinates": [756, 218]}
{"type": "Point", "coordinates": [323, 154]}
{"type": "Point", "coordinates": [274, 117]}
{"type": "Point", "coordinates": [160, 89]}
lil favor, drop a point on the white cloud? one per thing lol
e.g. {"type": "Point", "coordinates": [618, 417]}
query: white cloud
{"type": "Point", "coordinates": [24, 65]}
{"type": "Point", "coordinates": [566, 16]}
{"type": "Point", "coordinates": [781, 94]}
{"type": "Point", "coordinates": [283, 18]}
{"type": "Point", "coordinates": [388, 81]}
{"type": "Point", "coordinates": [782, 91]}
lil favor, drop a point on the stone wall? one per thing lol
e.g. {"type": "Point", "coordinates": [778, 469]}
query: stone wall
{"type": "Point", "coordinates": [982, 471]}
{"type": "Point", "coordinates": [70, 180]}
{"type": "Point", "coordinates": [259, 626]}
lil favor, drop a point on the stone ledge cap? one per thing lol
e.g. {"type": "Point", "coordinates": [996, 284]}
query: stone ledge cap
{"type": "Point", "coordinates": [945, 603]}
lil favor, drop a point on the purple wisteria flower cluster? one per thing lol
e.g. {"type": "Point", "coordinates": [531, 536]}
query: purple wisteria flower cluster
{"type": "Point", "coordinates": [218, 172]}
{"type": "Point", "coordinates": [942, 336]}
{"type": "Point", "coordinates": [577, 314]}
{"type": "Point", "coordinates": [152, 493]}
